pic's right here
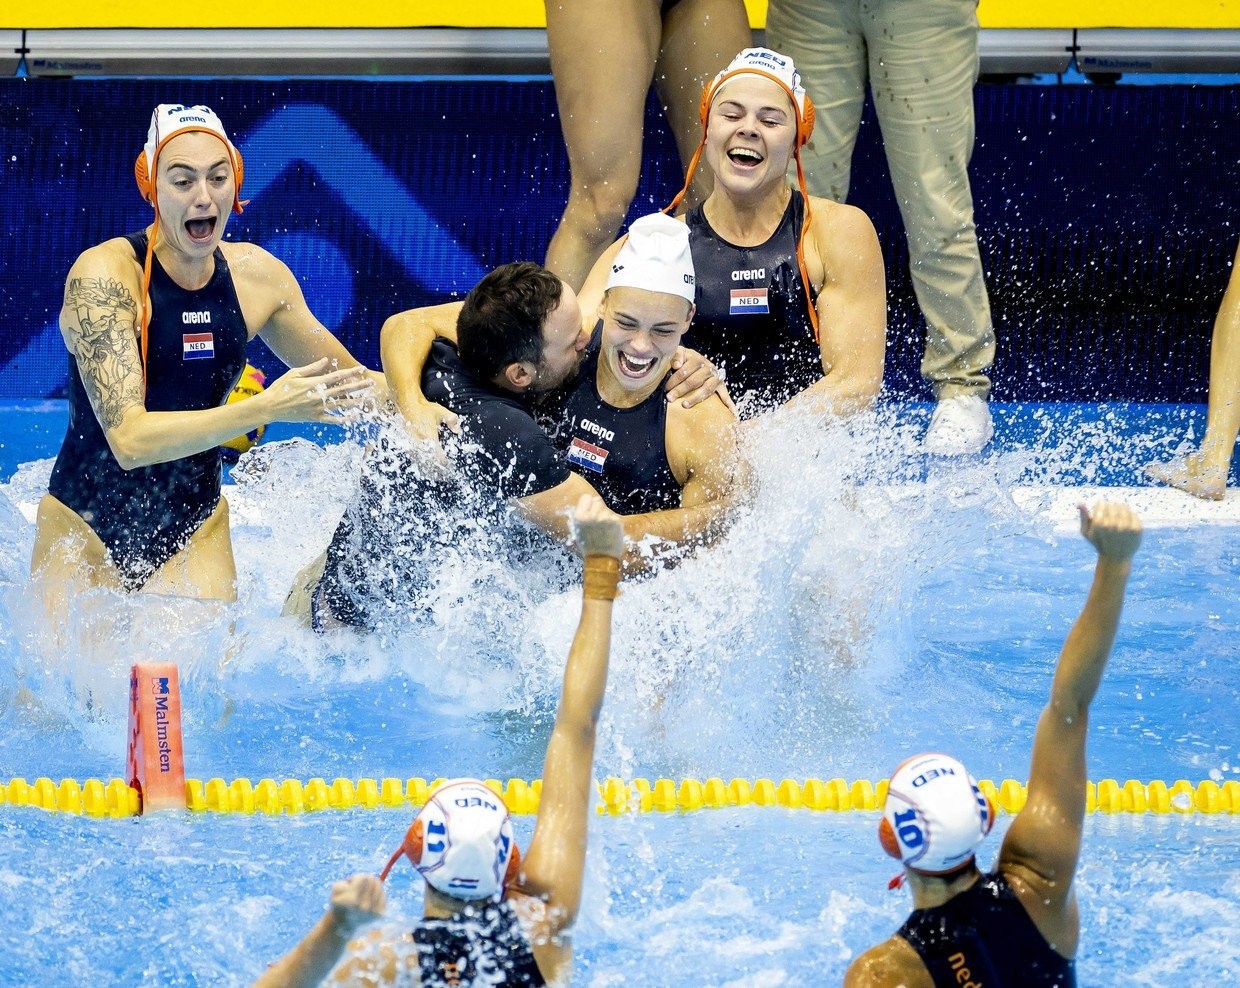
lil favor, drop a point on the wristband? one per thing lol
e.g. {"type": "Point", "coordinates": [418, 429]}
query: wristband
{"type": "Point", "coordinates": [602, 578]}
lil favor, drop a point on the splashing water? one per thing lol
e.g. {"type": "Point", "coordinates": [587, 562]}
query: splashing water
{"type": "Point", "coordinates": [866, 602]}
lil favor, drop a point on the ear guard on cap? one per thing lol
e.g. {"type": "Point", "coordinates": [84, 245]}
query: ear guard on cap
{"type": "Point", "coordinates": [887, 836]}
{"type": "Point", "coordinates": [802, 105]}
{"type": "Point", "coordinates": [935, 815]}
{"type": "Point", "coordinates": [146, 185]}
{"type": "Point", "coordinates": [169, 120]}
{"type": "Point", "coordinates": [411, 847]}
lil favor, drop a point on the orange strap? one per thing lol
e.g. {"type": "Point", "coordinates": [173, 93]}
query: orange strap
{"type": "Point", "coordinates": [693, 163]}
{"type": "Point", "coordinates": [809, 295]}
{"type": "Point", "coordinates": [602, 578]}
{"type": "Point", "coordinates": [144, 324]}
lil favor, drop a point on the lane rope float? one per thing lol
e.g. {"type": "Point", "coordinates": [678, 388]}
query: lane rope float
{"type": "Point", "coordinates": [116, 798]}
{"type": "Point", "coordinates": [155, 780]}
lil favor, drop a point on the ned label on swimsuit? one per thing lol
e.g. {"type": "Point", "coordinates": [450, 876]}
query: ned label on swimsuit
{"type": "Point", "coordinates": [749, 301]}
{"type": "Point", "coordinates": [587, 455]}
{"type": "Point", "coordinates": [198, 346]}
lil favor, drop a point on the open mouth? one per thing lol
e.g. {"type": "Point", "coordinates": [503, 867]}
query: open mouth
{"type": "Point", "coordinates": [200, 230]}
{"type": "Point", "coordinates": [633, 368]}
{"type": "Point", "coordinates": [745, 157]}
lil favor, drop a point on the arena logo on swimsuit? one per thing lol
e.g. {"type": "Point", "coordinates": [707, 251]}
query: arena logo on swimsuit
{"type": "Point", "coordinates": [595, 429]}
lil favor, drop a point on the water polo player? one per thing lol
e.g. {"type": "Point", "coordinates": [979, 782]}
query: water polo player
{"type": "Point", "coordinates": [491, 915]}
{"type": "Point", "coordinates": [1018, 925]}
{"type": "Point", "coordinates": [157, 323]}
{"type": "Point", "coordinates": [670, 471]}
{"type": "Point", "coordinates": [791, 294]}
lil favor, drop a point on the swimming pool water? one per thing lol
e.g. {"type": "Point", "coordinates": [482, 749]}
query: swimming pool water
{"type": "Point", "coordinates": [869, 605]}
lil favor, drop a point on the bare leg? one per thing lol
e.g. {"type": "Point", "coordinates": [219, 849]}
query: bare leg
{"type": "Point", "coordinates": [1204, 473]}
{"type": "Point", "coordinates": [68, 559]}
{"type": "Point", "coordinates": [602, 58]}
{"type": "Point", "coordinates": [700, 38]}
{"type": "Point", "coordinates": [301, 598]}
{"type": "Point", "coordinates": [204, 567]}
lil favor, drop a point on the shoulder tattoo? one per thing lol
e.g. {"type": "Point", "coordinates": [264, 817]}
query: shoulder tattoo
{"type": "Point", "coordinates": [106, 347]}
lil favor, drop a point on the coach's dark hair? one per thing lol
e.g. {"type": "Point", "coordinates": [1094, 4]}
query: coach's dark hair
{"type": "Point", "coordinates": [502, 319]}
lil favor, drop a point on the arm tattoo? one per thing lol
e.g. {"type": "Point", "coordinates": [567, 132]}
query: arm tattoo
{"type": "Point", "coordinates": [106, 347]}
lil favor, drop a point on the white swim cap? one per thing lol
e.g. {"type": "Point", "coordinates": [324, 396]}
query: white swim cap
{"type": "Point", "coordinates": [770, 65]}
{"type": "Point", "coordinates": [461, 841]}
{"type": "Point", "coordinates": [935, 816]}
{"type": "Point", "coordinates": [169, 120]}
{"type": "Point", "coordinates": [655, 257]}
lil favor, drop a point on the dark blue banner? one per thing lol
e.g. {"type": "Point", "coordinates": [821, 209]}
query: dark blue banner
{"type": "Point", "coordinates": [1107, 217]}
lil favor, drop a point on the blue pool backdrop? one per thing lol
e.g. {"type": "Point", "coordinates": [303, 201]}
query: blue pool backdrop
{"type": "Point", "coordinates": [1108, 217]}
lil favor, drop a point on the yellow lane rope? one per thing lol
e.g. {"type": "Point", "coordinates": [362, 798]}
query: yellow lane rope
{"type": "Point", "coordinates": [291, 796]}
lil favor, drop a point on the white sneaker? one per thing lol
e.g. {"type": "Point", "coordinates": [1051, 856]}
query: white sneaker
{"type": "Point", "coordinates": [960, 426]}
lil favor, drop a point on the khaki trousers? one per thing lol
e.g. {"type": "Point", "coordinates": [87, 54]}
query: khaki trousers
{"type": "Point", "coordinates": [920, 58]}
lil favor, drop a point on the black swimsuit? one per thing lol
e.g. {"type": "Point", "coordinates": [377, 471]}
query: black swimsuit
{"type": "Point", "coordinates": [195, 354]}
{"type": "Point", "coordinates": [983, 935]}
{"type": "Point", "coordinates": [752, 314]}
{"type": "Point", "coordinates": [484, 945]}
{"type": "Point", "coordinates": [622, 452]}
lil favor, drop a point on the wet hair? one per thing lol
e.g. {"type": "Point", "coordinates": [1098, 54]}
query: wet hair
{"type": "Point", "coordinates": [501, 322]}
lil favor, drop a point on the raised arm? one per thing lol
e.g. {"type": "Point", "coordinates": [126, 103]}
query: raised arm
{"type": "Point", "coordinates": [355, 902]}
{"type": "Point", "coordinates": [553, 867]}
{"type": "Point", "coordinates": [852, 310]}
{"type": "Point", "coordinates": [404, 347]}
{"type": "Point", "coordinates": [273, 301]}
{"type": "Point", "coordinates": [1044, 841]}
{"type": "Point", "coordinates": [99, 319]}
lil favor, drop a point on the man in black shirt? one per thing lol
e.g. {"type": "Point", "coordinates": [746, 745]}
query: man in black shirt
{"type": "Point", "coordinates": [520, 333]}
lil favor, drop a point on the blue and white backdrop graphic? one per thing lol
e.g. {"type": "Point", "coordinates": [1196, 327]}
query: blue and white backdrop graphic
{"type": "Point", "coordinates": [1107, 217]}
